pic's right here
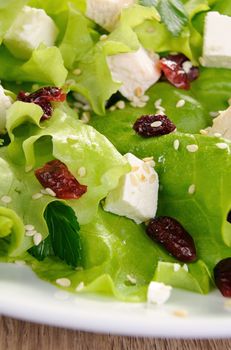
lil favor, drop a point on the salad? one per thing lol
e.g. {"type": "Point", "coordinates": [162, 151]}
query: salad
{"type": "Point", "coordinates": [115, 144]}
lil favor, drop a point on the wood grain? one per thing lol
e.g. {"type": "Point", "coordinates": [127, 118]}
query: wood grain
{"type": "Point", "coordinates": [18, 335]}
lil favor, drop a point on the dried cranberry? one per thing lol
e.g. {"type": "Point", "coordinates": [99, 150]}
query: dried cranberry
{"type": "Point", "coordinates": [43, 97]}
{"type": "Point", "coordinates": [222, 276]}
{"type": "Point", "coordinates": [56, 176]}
{"type": "Point", "coordinates": [229, 217]}
{"type": "Point", "coordinates": [173, 69]}
{"type": "Point", "coordinates": [50, 93]}
{"type": "Point", "coordinates": [176, 240]}
{"type": "Point", "coordinates": [153, 125]}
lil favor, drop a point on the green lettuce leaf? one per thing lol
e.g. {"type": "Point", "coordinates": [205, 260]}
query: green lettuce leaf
{"type": "Point", "coordinates": [70, 141]}
{"type": "Point", "coordinates": [45, 66]}
{"type": "Point", "coordinates": [77, 40]}
{"type": "Point", "coordinates": [114, 264]}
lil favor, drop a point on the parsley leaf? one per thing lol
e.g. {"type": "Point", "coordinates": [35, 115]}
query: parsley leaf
{"type": "Point", "coordinates": [172, 13]}
{"type": "Point", "coordinates": [64, 232]}
{"type": "Point", "coordinates": [64, 239]}
{"type": "Point", "coordinates": [41, 251]}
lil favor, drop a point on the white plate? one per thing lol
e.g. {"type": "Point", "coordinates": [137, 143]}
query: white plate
{"type": "Point", "coordinates": [24, 296]}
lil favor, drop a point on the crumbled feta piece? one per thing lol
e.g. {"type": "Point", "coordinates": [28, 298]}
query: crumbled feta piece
{"type": "Point", "coordinates": [221, 125]}
{"type": "Point", "coordinates": [137, 193]}
{"type": "Point", "coordinates": [106, 12]}
{"type": "Point", "coordinates": [31, 28]}
{"type": "Point", "coordinates": [5, 103]}
{"type": "Point", "coordinates": [158, 293]}
{"type": "Point", "coordinates": [135, 70]}
{"type": "Point", "coordinates": [217, 45]}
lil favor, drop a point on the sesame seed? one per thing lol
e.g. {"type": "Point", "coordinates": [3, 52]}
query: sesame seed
{"type": "Point", "coordinates": [187, 65]}
{"type": "Point", "coordinates": [138, 91]}
{"type": "Point", "coordinates": [131, 279]}
{"type": "Point", "coordinates": [82, 171]}
{"type": "Point", "coordinates": [185, 267]}
{"type": "Point", "coordinates": [112, 108]}
{"type": "Point", "coordinates": [156, 124]}
{"type": "Point", "coordinates": [160, 111]}
{"type": "Point", "coordinates": [63, 282]}
{"type": "Point", "coordinates": [192, 189]}
{"type": "Point", "coordinates": [203, 132]}
{"type": "Point", "coordinates": [50, 192]}
{"type": "Point", "coordinates": [147, 159]}
{"type": "Point", "coordinates": [6, 199]}
{"type": "Point", "coordinates": [37, 196]}
{"type": "Point", "coordinates": [144, 98]}
{"type": "Point", "coordinates": [85, 117]}
{"type": "Point", "coordinates": [192, 148]}
{"type": "Point", "coordinates": [222, 145]}
{"type": "Point", "coordinates": [138, 104]}
{"type": "Point", "coordinates": [133, 179]}
{"type": "Point", "coordinates": [217, 134]}
{"type": "Point", "coordinates": [158, 103]}
{"type": "Point", "coordinates": [180, 313]}
{"type": "Point", "coordinates": [180, 103]}
{"type": "Point", "coordinates": [213, 114]}
{"type": "Point", "coordinates": [86, 107]}
{"type": "Point", "coordinates": [176, 267]}
{"type": "Point", "coordinates": [80, 287]}
{"type": "Point", "coordinates": [77, 71]}
{"type": "Point", "coordinates": [37, 238]}
{"type": "Point", "coordinates": [103, 37]}
{"type": "Point", "coordinates": [121, 104]}
{"type": "Point", "coordinates": [29, 227]}
{"type": "Point", "coordinates": [176, 144]}
{"type": "Point", "coordinates": [30, 233]}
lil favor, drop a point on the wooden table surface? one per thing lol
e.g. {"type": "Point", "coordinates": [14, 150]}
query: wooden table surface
{"type": "Point", "coordinates": [18, 335]}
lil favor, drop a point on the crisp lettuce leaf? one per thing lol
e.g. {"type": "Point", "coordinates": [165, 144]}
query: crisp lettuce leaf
{"type": "Point", "coordinates": [77, 40]}
{"type": "Point", "coordinates": [73, 143]}
{"type": "Point", "coordinates": [204, 214]}
{"type": "Point", "coordinates": [45, 66]}
{"type": "Point", "coordinates": [192, 117]}
{"type": "Point", "coordinates": [112, 259]}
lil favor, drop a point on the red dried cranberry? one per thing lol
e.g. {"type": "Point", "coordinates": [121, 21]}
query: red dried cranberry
{"type": "Point", "coordinates": [173, 69]}
{"type": "Point", "coordinates": [153, 125]}
{"type": "Point", "coordinates": [56, 176]}
{"type": "Point", "coordinates": [222, 276]}
{"type": "Point", "coordinates": [50, 93]}
{"type": "Point", "coordinates": [43, 97]}
{"type": "Point", "coordinates": [176, 240]}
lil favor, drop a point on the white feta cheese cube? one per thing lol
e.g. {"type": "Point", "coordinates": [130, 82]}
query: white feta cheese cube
{"type": "Point", "coordinates": [5, 103]}
{"type": "Point", "coordinates": [31, 28]}
{"type": "Point", "coordinates": [217, 44]}
{"type": "Point", "coordinates": [158, 293]}
{"type": "Point", "coordinates": [106, 12]}
{"type": "Point", "coordinates": [137, 193]}
{"type": "Point", "coordinates": [222, 125]}
{"type": "Point", "coordinates": [137, 71]}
